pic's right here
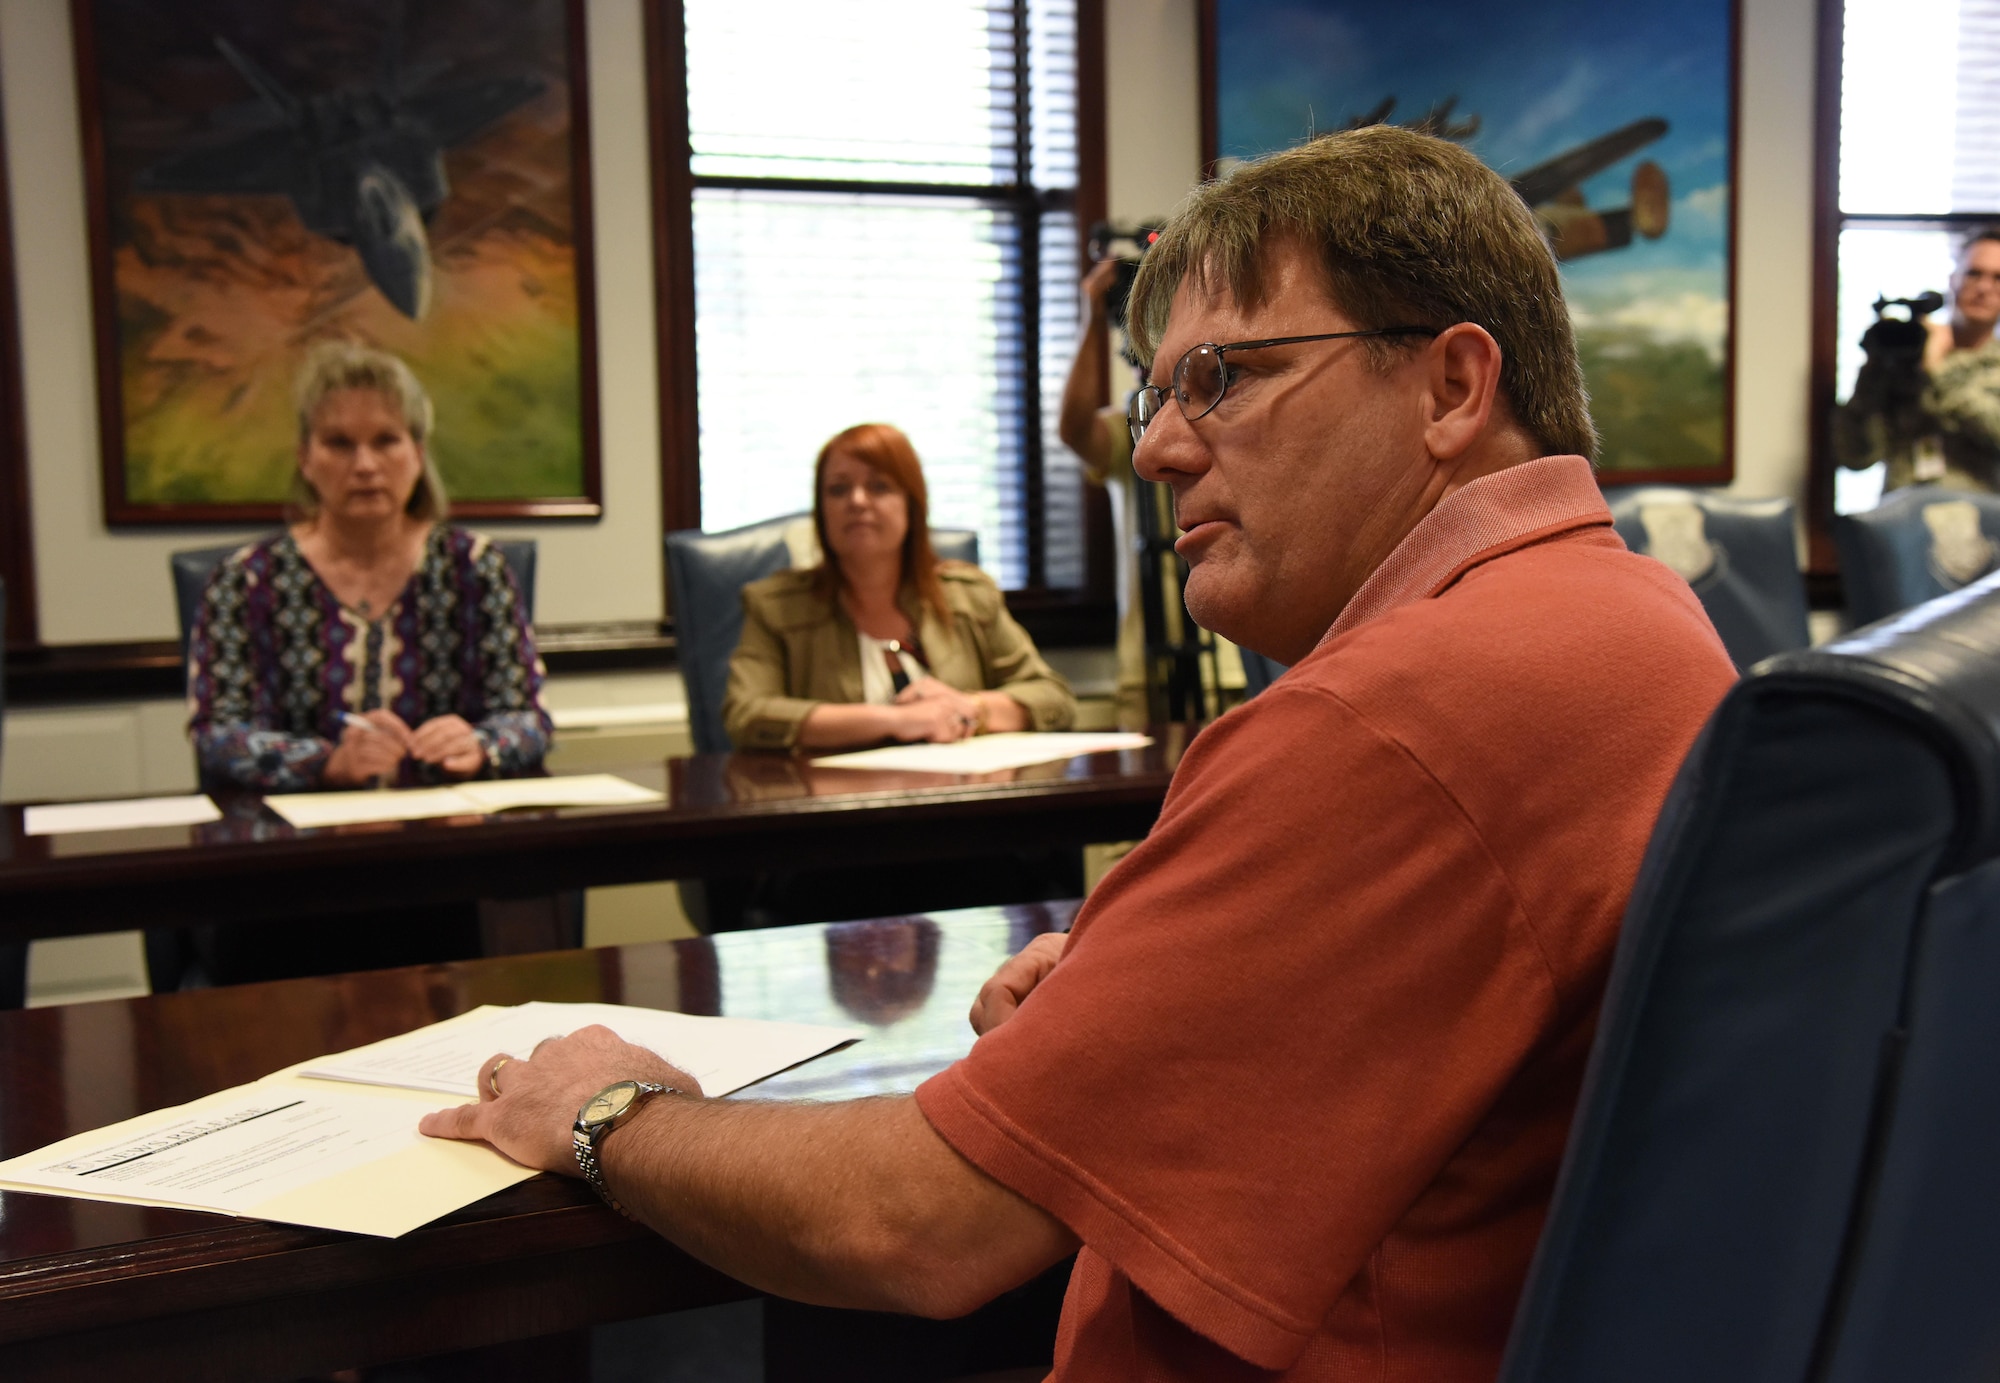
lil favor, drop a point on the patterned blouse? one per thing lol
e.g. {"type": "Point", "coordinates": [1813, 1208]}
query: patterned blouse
{"type": "Point", "coordinates": [275, 660]}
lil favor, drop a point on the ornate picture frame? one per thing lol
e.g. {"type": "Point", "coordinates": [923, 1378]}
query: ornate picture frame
{"type": "Point", "coordinates": [1617, 126]}
{"type": "Point", "coordinates": [264, 174]}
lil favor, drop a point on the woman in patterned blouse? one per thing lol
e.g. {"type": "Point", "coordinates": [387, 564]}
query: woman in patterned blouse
{"type": "Point", "coordinates": [371, 641]}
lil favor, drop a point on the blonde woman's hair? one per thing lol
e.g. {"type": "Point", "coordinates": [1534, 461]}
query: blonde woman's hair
{"type": "Point", "coordinates": [332, 366]}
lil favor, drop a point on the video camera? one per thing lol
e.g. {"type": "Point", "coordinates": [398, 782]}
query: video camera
{"type": "Point", "coordinates": [1128, 247]}
{"type": "Point", "coordinates": [1896, 344]}
{"type": "Point", "coordinates": [1891, 382]}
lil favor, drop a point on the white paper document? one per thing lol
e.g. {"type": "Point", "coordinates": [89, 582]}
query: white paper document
{"type": "Point", "coordinates": [316, 809]}
{"type": "Point", "coordinates": [299, 1152]}
{"type": "Point", "coordinates": [132, 814]}
{"type": "Point", "coordinates": [724, 1054]}
{"type": "Point", "coordinates": [309, 1151]}
{"type": "Point", "coordinates": [270, 1140]}
{"type": "Point", "coordinates": [577, 790]}
{"type": "Point", "coordinates": [986, 753]}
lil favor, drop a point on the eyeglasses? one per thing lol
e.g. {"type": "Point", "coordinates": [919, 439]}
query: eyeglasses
{"type": "Point", "coordinates": [1201, 377]}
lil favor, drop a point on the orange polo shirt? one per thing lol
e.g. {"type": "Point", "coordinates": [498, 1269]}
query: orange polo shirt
{"type": "Point", "coordinates": [1302, 1080]}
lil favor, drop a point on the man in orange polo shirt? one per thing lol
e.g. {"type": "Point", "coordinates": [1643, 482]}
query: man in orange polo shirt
{"type": "Point", "coordinates": [1297, 1084]}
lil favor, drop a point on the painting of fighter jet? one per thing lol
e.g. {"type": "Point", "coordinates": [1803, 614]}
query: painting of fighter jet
{"type": "Point", "coordinates": [270, 173]}
{"type": "Point", "coordinates": [1615, 126]}
{"type": "Point", "coordinates": [363, 165]}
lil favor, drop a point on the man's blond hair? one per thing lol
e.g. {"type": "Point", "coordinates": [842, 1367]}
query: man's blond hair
{"type": "Point", "coordinates": [1409, 230]}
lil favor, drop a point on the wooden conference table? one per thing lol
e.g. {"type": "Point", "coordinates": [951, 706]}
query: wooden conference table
{"type": "Point", "coordinates": [102, 1291]}
{"type": "Point", "coordinates": [724, 814]}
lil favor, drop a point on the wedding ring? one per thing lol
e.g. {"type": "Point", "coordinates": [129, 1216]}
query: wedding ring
{"type": "Point", "coordinates": [493, 1076]}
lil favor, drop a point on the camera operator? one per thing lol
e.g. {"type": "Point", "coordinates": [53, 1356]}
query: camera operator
{"type": "Point", "coordinates": [1928, 398]}
{"type": "Point", "coordinates": [1963, 361]}
{"type": "Point", "coordinates": [1099, 436]}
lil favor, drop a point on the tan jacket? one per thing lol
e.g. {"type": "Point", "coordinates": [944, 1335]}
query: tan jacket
{"type": "Point", "coordinates": [799, 650]}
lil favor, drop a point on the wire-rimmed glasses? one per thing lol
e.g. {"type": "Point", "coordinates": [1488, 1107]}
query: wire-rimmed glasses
{"type": "Point", "coordinates": [1201, 377]}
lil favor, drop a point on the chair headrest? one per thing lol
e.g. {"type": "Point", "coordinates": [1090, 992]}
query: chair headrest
{"type": "Point", "coordinates": [1937, 665]}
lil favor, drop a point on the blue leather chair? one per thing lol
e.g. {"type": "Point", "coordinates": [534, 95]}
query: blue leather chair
{"type": "Point", "coordinates": [1919, 543]}
{"type": "Point", "coordinates": [13, 954]}
{"type": "Point", "coordinates": [170, 950]}
{"type": "Point", "coordinates": [1739, 555]}
{"type": "Point", "coordinates": [1259, 672]}
{"type": "Point", "coordinates": [1782, 1166]}
{"type": "Point", "coordinates": [706, 574]}
{"type": "Point", "coordinates": [192, 568]}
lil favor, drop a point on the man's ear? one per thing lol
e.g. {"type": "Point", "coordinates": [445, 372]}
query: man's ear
{"type": "Point", "coordinates": [1463, 364]}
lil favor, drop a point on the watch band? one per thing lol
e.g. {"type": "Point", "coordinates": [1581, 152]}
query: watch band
{"type": "Point", "coordinates": [588, 1138]}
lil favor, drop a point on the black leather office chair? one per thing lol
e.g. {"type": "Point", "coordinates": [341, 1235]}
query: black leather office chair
{"type": "Point", "coordinates": [1739, 555]}
{"type": "Point", "coordinates": [706, 574]}
{"type": "Point", "coordinates": [1783, 1164]}
{"type": "Point", "coordinates": [13, 954]}
{"type": "Point", "coordinates": [193, 566]}
{"type": "Point", "coordinates": [1919, 543]}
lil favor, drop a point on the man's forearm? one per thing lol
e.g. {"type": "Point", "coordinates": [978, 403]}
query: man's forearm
{"type": "Point", "coordinates": [858, 1204]}
{"type": "Point", "coordinates": [1083, 395]}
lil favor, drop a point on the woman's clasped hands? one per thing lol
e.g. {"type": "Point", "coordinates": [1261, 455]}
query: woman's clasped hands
{"type": "Point", "coordinates": [374, 744]}
{"type": "Point", "coordinates": [929, 709]}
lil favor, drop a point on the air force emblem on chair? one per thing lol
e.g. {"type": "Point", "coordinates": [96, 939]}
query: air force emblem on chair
{"type": "Point", "coordinates": [1677, 534]}
{"type": "Point", "coordinates": [1960, 552]}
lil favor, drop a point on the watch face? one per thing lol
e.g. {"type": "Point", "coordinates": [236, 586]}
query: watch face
{"type": "Point", "coordinates": [610, 1102]}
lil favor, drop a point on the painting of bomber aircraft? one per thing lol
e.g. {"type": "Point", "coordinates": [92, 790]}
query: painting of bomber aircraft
{"type": "Point", "coordinates": [1553, 189]}
{"type": "Point", "coordinates": [1615, 127]}
{"type": "Point", "coordinates": [274, 172]}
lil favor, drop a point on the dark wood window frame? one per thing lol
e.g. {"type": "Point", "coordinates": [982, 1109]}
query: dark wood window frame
{"type": "Point", "coordinates": [1822, 566]}
{"type": "Point", "coordinates": [1822, 561]}
{"type": "Point", "coordinates": [1054, 616]}
{"type": "Point", "coordinates": [17, 526]}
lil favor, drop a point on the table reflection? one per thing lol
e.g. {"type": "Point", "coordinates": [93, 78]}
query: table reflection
{"type": "Point", "coordinates": [882, 971]}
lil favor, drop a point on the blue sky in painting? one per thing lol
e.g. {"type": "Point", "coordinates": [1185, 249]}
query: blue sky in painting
{"type": "Point", "coordinates": [1543, 77]}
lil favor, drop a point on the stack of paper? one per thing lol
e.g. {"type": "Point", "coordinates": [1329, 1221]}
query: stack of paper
{"type": "Point", "coordinates": [333, 1142]}
{"type": "Point", "coordinates": [985, 753]}
{"type": "Point", "coordinates": [314, 809]}
{"type": "Point", "coordinates": [130, 815]}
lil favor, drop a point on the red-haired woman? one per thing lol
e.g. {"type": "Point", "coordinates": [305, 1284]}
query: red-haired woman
{"type": "Point", "coordinates": [881, 641]}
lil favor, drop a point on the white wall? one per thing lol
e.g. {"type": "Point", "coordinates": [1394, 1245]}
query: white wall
{"type": "Point", "coordinates": [1152, 99]}
{"type": "Point", "coordinates": [98, 585]}
{"type": "Point", "coordinates": [1774, 218]}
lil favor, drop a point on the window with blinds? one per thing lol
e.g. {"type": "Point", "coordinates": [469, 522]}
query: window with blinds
{"type": "Point", "coordinates": [883, 190]}
{"type": "Point", "coordinates": [1919, 164]}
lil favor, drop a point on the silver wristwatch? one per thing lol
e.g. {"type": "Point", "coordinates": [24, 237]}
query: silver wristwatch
{"type": "Point", "coordinates": [605, 1111]}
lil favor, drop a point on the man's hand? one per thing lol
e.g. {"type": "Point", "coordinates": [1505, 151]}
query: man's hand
{"type": "Point", "coordinates": [530, 1120]}
{"type": "Point", "coordinates": [448, 742]}
{"type": "Point", "coordinates": [1015, 980]}
{"type": "Point", "coordinates": [1096, 288]}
